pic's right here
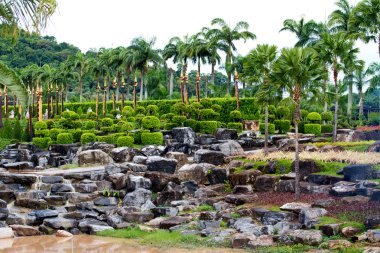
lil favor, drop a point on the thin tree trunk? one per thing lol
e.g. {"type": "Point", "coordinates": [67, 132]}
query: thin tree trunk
{"type": "Point", "coordinates": [80, 87]}
{"type": "Point", "coordinates": [229, 74]}
{"type": "Point", "coordinates": [67, 93]}
{"type": "Point", "coordinates": [171, 80]}
{"type": "Point", "coordinates": [349, 101]}
{"type": "Point", "coordinates": [237, 95]}
{"type": "Point", "coordinates": [206, 86]}
{"type": "Point", "coordinates": [378, 42]}
{"type": "Point", "coordinates": [296, 155]}
{"type": "Point", "coordinates": [266, 131]}
{"type": "Point", "coordinates": [127, 87]}
{"type": "Point", "coordinates": [360, 104]}
{"type": "Point", "coordinates": [213, 72]}
{"type": "Point", "coordinates": [243, 90]}
{"type": "Point", "coordinates": [1, 110]}
{"type": "Point", "coordinates": [146, 92]}
{"type": "Point", "coordinates": [336, 105]}
{"type": "Point", "coordinates": [118, 85]}
{"type": "Point", "coordinates": [141, 86]}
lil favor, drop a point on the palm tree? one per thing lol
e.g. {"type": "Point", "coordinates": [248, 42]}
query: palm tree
{"type": "Point", "coordinates": [227, 35]}
{"type": "Point", "coordinates": [306, 33]}
{"type": "Point", "coordinates": [78, 63]}
{"type": "Point", "coordinates": [361, 78]}
{"type": "Point", "coordinates": [297, 68]}
{"type": "Point", "coordinates": [259, 66]}
{"type": "Point", "coordinates": [374, 70]}
{"type": "Point", "coordinates": [213, 46]}
{"type": "Point", "coordinates": [339, 19]}
{"type": "Point", "coordinates": [126, 56]}
{"type": "Point", "coordinates": [116, 63]}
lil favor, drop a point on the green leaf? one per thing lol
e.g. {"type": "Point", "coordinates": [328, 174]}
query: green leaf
{"type": "Point", "coordinates": [15, 86]}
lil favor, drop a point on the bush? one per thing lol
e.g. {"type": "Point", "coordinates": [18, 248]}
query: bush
{"type": "Point", "coordinates": [283, 112]}
{"type": "Point", "coordinates": [216, 108]}
{"type": "Point", "coordinates": [327, 116]}
{"type": "Point", "coordinates": [38, 133]}
{"type": "Point", "coordinates": [105, 138]}
{"type": "Point", "coordinates": [328, 128]}
{"type": "Point", "coordinates": [40, 125]}
{"type": "Point", "coordinates": [87, 138]}
{"type": "Point", "coordinates": [271, 117]}
{"type": "Point", "coordinates": [152, 138]}
{"type": "Point", "coordinates": [373, 119]}
{"type": "Point", "coordinates": [178, 108]}
{"type": "Point", "coordinates": [90, 125]}
{"type": "Point", "coordinates": [208, 114]}
{"type": "Point", "coordinates": [74, 115]}
{"type": "Point", "coordinates": [179, 120]}
{"type": "Point", "coordinates": [137, 135]}
{"type": "Point", "coordinates": [128, 111]}
{"type": "Point", "coordinates": [313, 129]}
{"type": "Point", "coordinates": [304, 114]}
{"type": "Point", "coordinates": [65, 138]}
{"type": "Point", "coordinates": [208, 127]}
{"type": "Point", "coordinates": [131, 119]}
{"type": "Point", "coordinates": [167, 116]}
{"type": "Point", "coordinates": [140, 110]}
{"type": "Point", "coordinates": [152, 110]}
{"type": "Point", "coordinates": [170, 126]}
{"type": "Point", "coordinates": [125, 141]}
{"type": "Point", "coordinates": [235, 115]}
{"type": "Point", "coordinates": [271, 128]}
{"type": "Point", "coordinates": [106, 122]}
{"type": "Point", "coordinates": [283, 126]}
{"type": "Point", "coordinates": [150, 122]}
{"type": "Point", "coordinates": [66, 114]}
{"type": "Point", "coordinates": [235, 125]}
{"type": "Point", "coordinates": [77, 133]}
{"type": "Point", "coordinates": [314, 117]}
{"type": "Point", "coordinates": [53, 133]}
{"type": "Point", "coordinates": [193, 124]}
{"type": "Point", "coordinates": [41, 142]}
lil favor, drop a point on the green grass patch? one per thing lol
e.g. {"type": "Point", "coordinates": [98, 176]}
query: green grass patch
{"type": "Point", "coordinates": [203, 208]}
{"type": "Point", "coordinates": [358, 148]}
{"type": "Point", "coordinates": [342, 144]}
{"type": "Point", "coordinates": [324, 220]}
{"type": "Point", "coordinates": [330, 168]}
{"type": "Point", "coordinates": [298, 248]}
{"type": "Point", "coordinates": [376, 167]}
{"type": "Point", "coordinates": [343, 220]}
{"type": "Point", "coordinates": [6, 142]}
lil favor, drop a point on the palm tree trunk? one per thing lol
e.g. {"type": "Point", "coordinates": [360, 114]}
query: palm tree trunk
{"type": "Point", "coordinates": [80, 88]}
{"type": "Point", "coordinates": [67, 92]}
{"type": "Point", "coordinates": [146, 92]}
{"type": "Point", "coordinates": [229, 56]}
{"type": "Point", "coordinates": [171, 80]}
{"type": "Point", "coordinates": [243, 90]}
{"type": "Point", "coordinates": [213, 72]}
{"type": "Point", "coordinates": [349, 101]}
{"type": "Point", "coordinates": [296, 154]}
{"type": "Point", "coordinates": [266, 130]}
{"type": "Point", "coordinates": [118, 85]}
{"type": "Point", "coordinates": [206, 86]}
{"type": "Point", "coordinates": [360, 103]}
{"type": "Point", "coordinates": [378, 42]}
{"type": "Point", "coordinates": [127, 86]}
{"type": "Point", "coordinates": [1, 110]}
{"type": "Point", "coordinates": [141, 86]}
{"type": "Point", "coordinates": [237, 95]}
{"type": "Point", "coordinates": [336, 105]}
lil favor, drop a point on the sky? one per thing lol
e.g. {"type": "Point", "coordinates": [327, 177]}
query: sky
{"type": "Point", "coordinates": [92, 24]}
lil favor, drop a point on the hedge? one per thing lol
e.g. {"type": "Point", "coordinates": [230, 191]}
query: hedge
{"type": "Point", "coordinates": [105, 138]}
{"type": "Point", "coordinates": [179, 120]}
{"type": "Point", "coordinates": [208, 127]}
{"type": "Point", "coordinates": [40, 125]}
{"type": "Point", "coordinates": [106, 122]}
{"type": "Point", "coordinates": [328, 128]}
{"type": "Point", "coordinates": [152, 138]}
{"type": "Point", "coordinates": [65, 138]}
{"type": "Point", "coordinates": [313, 129]}
{"type": "Point", "coordinates": [170, 126]}
{"type": "Point", "coordinates": [208, 114]}
{"type": "Point", "coordinates": [87, 138]}
{"type": "Point", "coordinates": [235, 115]}
{"type": "Point", "coordinates": [283, 126]}
{"type": "Point", "coordinates": [193, 124]}
{"type": "Point", "coordinates": [235, 125]}
{"type": "Point", "coordinates": [89, 125]}
{"type": "Point", "coordinates": [150, 122]}
{"type": "Point", "coordinates": [271, 128]}
{"type": "Point", "coordinates": [125, 141]}
{"type": "Point", "coordinates": [53, 133]}
{"type": "Point", "coordinates": [314, 117]}
{"type": "Point", "coordinates": [42, 142]}
{"type": "Point", "coordinates": [137, 135]}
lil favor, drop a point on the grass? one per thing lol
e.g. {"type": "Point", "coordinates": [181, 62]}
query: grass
{"type": "Point", "coordinates": [359, 148]}
{"type": "Point", "coordinates": [161, 238]}
{"type": "Point", "coordinates": [330, 168]}
{"type": "Point", "coordinates": [5, 142]}
{"type": "Point", "coordinates": [203, 208]}
{"type": "Point", "coordinates": [298, 248]}
{"type": "Point", "coordinates": [343, 220]}
{"type": "Point", "coordinates": [342, 144]}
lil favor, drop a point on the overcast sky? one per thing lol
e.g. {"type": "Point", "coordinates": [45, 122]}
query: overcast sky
{"type": "Point", "coordinates": [110, 23]}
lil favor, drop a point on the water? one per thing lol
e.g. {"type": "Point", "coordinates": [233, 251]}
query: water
{"type": "Point", "coordinates": [90, 244]}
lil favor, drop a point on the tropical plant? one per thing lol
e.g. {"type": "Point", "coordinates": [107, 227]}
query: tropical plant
{"type": "Point", "coordinates": [306, 32]}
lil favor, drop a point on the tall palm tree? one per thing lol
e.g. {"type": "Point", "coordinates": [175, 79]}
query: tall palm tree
{"type": "Point", "coordinates": [297, 68]}
{"type": "Point", "coordinates": [214, 45]}
{"type": "Point", "coordinates": [374, 70]}
{"type": "Point", "coordinates": [78, 63]}
{"type": "Point", "coordinates": [116, 63]}
{"type": "Point", "coordinates": [228, 35]}
{"type": "Point", "coordinates": [126, 56]}
{"type": "Point", "coordinates": [306, 32]}
{"type": "Point", "coordinates": [339, 19]}
{"type": "Point", "coordinates": [361, 78]}
{"type": "Point", "coordinates": [259, 67]}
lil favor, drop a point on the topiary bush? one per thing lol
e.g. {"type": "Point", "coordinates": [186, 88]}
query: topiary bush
{"type": "Point", "coordinates": [105, 138]}
{"type": "Point", "coordinates": [125, 141]}
{"type": "Point", "coordinates": [314, 117]}
{"type": "Point", "coordinates": [106, 122]}
{"type": "Point", "coordinates": [179, 120]}
{"type": "Point", "coordinates": [53, 133]}
{"type": "Point", "coordinates": [271, 128]}
{"type": "Point", "coordinates": [140, 110]}
{"type": "Point", "coordinates": [283, 126]}
{"type": "Point", "coordinates": [216, 108]}
{"type": "Point", "coordinates": [327, 116]}
{"type": "Point", "coordinates": [150, 122]}
{"type": "Point", "coordinates": [235, 125]}
{"type": "Point", "coordinates": [87, 138]}
{"type": "Point", "coordinates": [42, 142]}
{"type": "Point", "coordinates": [137, 135]}
{"type": "Point", "coordinates": [131, 119]}
{"type": "Point", "coordinates": [170, 126]}
{"type": "Point", "coordinates": [272, 109]}
{"type": "Point", "coordinates": [235, 115]}
{"type": "Point", "coordinates": [128, 111]}
{"type": "Point", "coordinates": [327, 128]}
{"type": "Point", "coordinates": [313, 129]}
{"type": "Point", "coordinates": [283, 112]}
{"type": "Point", "coordinates": [208, 127]}
{"type": "Point", "coordinates": [91, 115]}
{"type": "Point", "coordinates": [90, 125]}
{"type": "Point", "coordinates": [208, 114]}
{"type": "Point", "coordinates": [304, 114]}
{"type": "Point", "coordinates": [152, 110]}
{"type": "Point", "coordinates": [65, 138]}
{"type": "Point", "coordinates": [168, 116]}
{"type": "Point", "coordinates": [152, 138]}
{"type": "Point", "coordinates": [192, 123]}
{"type": "Point", "coordinates": [40, 125]}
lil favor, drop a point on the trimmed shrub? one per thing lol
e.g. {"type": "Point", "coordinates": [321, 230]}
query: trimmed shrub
{"type": "Point", "coordinates": [208, 127]}
{"type": "Point", "coordinates": [40, 125]}
{"type": "Point", "coordinates": [137, 135]}
{"type": "Point", "coordinates": [74, 115]}
{"type": "Point", "coordinates": [313, 129]}
{"type": "Point", "coordinates": [105, 138]}
{"type": "Point", "coordinates": [87, 138]}
{"type": "Point", "coordinates": [150, 122]}
{"type": "Point", "coordinates": [301, 126]}
{"type": "Point", "coordinates": [53, 133]}
{"type": "Point", "coordinates": [42, 142]}
{"type": "Point", "coordinates": [235, 125]}
{"type": "Point", "coordinates": [170, 126]}
{"type": "Point", "coordinates": [152, 138]}
{"type": "Point", "coordinates": [152, 110]}
{"type": "Point", "coordinates": [208, 114]}
{"type": "Point", "coordinates": [192, 123]}
{"type": "Point", "coordinates": [106, 129]}
{"type": "Point", "coordinates": [304, 114]}
{"type": "Point", "coordinates": [91, 115]}
{"type": "Point", "coordinates": [179, 120]}
{"type": "Point", "coordinates": [106, 122]}
{"type": "Point", "coordinates": [50, 123]}
{"type": "Point", "coordinates": [65, 138]}
{"type": "Point", "coordinates": [216, 108]}
{"type": "Point", "coordinates": [328, 128]}
{"type": "Point", "coordinates": [327, 116]}
{"type": "Point", "coordinates": [314, 117]}
{"type": "Point", "coordinates": [178, 108]}
{"type": "Point", "coordinates": [131, 119]}
{"type": "Point", "coordinates": [38, 133]}
{"type": "Point", "coordinates": [66, 114]}
{"type": "Point", "coordinates": [140, 110]}
{"type": "Point", "coordinates": [125, 141]}
{"type": "Point", "coordinates": [77, 133]}
{"type": "Point", "coordinates": [272, 109]}
{"type": "Point", "coordinates": [283, 126]}
{"type": "Point", "coordinates": [271, 117]}
{"type": "Point", "coordinates": [271, 128]}
{"type": "Point", "coordinates": [235, 115]}
{"type": "Point", "coordinates": [116, 136]}
{"type": "Point", "coordinates": [283, 112]}
{"type": "Point", "coordinates": [167, 116]}
{"type": "Point", "coordinates": [90, 125]}
{"type": "Point", "coordinates": [128, 111]}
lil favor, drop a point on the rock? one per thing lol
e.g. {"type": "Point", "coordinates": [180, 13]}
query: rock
{"type": "Point", "coordinates": [295, 207]}
{"type": "Point", "coordinates": [123, 154]}
{"type": "Point", "coordinates": [60, 223]}
{"type": "Point", "coordinates": [307, 167]}
{"type": "Point", "coordinates": [323, 179]}
{"type": "Point", "coordinates": [7, 195]}
{"type": "Point", "coordinates": [136, 182]}
{"type": "Point", "coordinates": [89, 187]}
{"type": "Point", "coordinates": [209, 156]}
{"type": "Point", "coordinates": [105, 147]}
{"type": "Point", "coordinates": [189, 187]}
{"type": "Point", "coordinates": [261, 241]}
{"type": "Point", "coordinates": [231, 148]}
{"type": "Point", "coordinates": [273, 217]}
{"type": "Point", "coordinates": [32, 203]}
{"type": "Point", "coordinates": [350, 231]}
{"type": "Point", "coordinates": [51, 179]}
{"type": "Point", "coordinates": [172, 221]}
{"type": "Point", "coordinates": [171, 192]}
{"type": "Point", "coordinates": [139, 159]}
{"type": "Point", "coordinates": [19, 166]}
{"type": "Point", "coordinates": [92, 157]}
{"type": "Point", "coordinates": [343, 189]}
{"type": "Point", "coordinates": [339, 244]}
{"type": "Point", "coordinates": [371, 250]}
{"type": "Point", "coordinates": [265, 183]}
{"type": "Point", "coordinates": [240, 241]}
{"type": "Point", "coordinates": [119, 180]}
{"type": "Point", "coordinates": [164, 211]}
{"type": "Point", "coordinates": [244, 177]}
{"type": "Point", "coordinates": [179, 156]}
{"type": "Point", "coordinates": [355, 199]}
{"type": "Point", "coordinates": [240, 199]}
{"type": "Point", "coordinates": [375, 195]}
{"type": "Point", "coordinates": [138, 217]}
{"type": "Point", "coordinates": [375, 147]}
{"type": "Point", "coordinates": [242, 189]}
{"type": "Point", "coordinates": [159, 180]}
{"type": "Point", "coordinates": [18, 178]}
{"type": "Point", "coordinates": [372, 221]}
{"type": "Point", "coordinates": [44, 214]}
{"type": "Point", "coordinates": [15, 218]}
{"type": "Point", "coordinates": [63, 233]}
{"type": "Point", "coordinates": [373, 235]}
{"type": "Point", "coordinates": [161, 164]}
{"type": "Point", "coordinates": [92, 226]}
{"type": "Point", "coordinates": [136, 167]}
{"type": "Point", "coordinates": [106, 201]}
{"type": "Point", "coordinates": [23, 230]}
{"type": "Point", "coordinates": [184, 135]}
{"type": "Point", "coordinates": [307, 237]}
{"type": "Point", "coordinates": [324, 203]}
{"type": "Point", "coordinates": [137, 198]}
{"type": "Point", "coordinates": [6, 233]}
{"type": "Point", "coordinates": [357, 172]}
{"type": "Point", "coordinates": [308, 217]}
{"type": "Point", "coordinates": [330, 229]}
{"type": "Point", "coordinates": [226, 134]}
{"type": "Point", "coordinates": [328, 148]}
{"type": "Point", "coordinates": [111, 169]}
{"type": "Point", "coordinates": [196, 172]}
{"type": "Point", "coordinates": [60, 187]}
{"type": "Point", "coordinates": [217, 176]}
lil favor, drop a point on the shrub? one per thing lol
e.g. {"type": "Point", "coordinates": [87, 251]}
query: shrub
{"type": "Point", "coordinates": [192, 123]}
{"type": "Point", "coordinates": [152, 138]}
{"type": "Point", "coordinates": [208, 127]}
{"type": "Point", "coordinates": [41, 142]}
{"type": "Point", "coordinates": [178, 108]}
{"type": "Point", "coordinates": [80, 110]}
{"type": "Point", "coordinates": [271, 117]}
{"type": "Point", "coordinates": [283, 112]}
{"type": "Point", "coordinates": [126, 126]}
{"type": "Point", "coordinates": [74, 115]}
{"type": "Point", "coordinates": [235, 125]}
{"type": "Point", "coordinates": [77, 133]}
{"type": "Point", "coordinates": [105, 138]}
{"type": "Point", "coordinates": [328, 128]}
{"type": "Point", "coordinates": [373, 119]}
{"type": "Point", "coordinates": [179, 120]}
{"type": "Point", "coordinates": [150, 122]}
{"type": "Point", "coordinates": [137, 135]}
{"type": "Point", "coordinates": [91, 115]}
{"type": "Point", "coordinates": [271, 128]}
{"type": "Point", "coordinates": [38, 133]}
{"type": "Point", "coordinates": [272, 109]}
{"type": "Point", "coordinates": [168, 116]}
{"type": "Point", "coordinates": [131, 119]}
{"type": "Point", "coordinates": [304, 114]}
{"type": "Point", "coordinates": [235, 115]}
{"type": "Point", "coordinates": [301, 126]}
{"type": "Point", "coordinates": [115, 137]}
{"type": "Point", "coordinates": [152, 110]}
{"type": "Point", "coordinates": [40, 125]}
{"type": "Point", "coordinates": [90, 125]}
{"type": "Point", "coordinates": [283, 126]}
{"type": "Point", "coordinates": [106, 129]}
{"type": "Point", "coordinates": [66, 114]}
{"type": "Point", "coordinates": [125, 141]}
{"type": "Point", "coordinates": [170, 126]}
{"type": "Point", "coordinates": [53, 133]}
{"type": "Point", "coordinates": [65, 138]}
{"type": "Point", "coordinates": [128, 111]}
{"type": "Point", "coordinates": [50, 123]}
{"type": "Point", "coordinates": [208, 114]}
{"type": "Point", "coordinates": [140, 110]}
{"type": "Point", "coordinates": [327, 116]}
{"type": "Point", "coordinates": [216, 108]}
{"type": "Point", "coordinates": [314, 117]}
{"type": "Point", "coordinates": [87, 138]}
{"type": "Point", "coordinates": [106, 122]}
{"type": "Point", "coordinates": [313, 129]}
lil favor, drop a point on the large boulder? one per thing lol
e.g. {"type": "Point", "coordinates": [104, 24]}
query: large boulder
{"type": "Point", "coordinates": [343, 189]}
{"type": "Point", "coordinates": [226, 134]}
{"type": "Point", "coordinates": [357, 172]}
{"type": "Point", "coordinates": [92, 226]}
{"type": "Point", "coordinates": [309, 217]}
{"type": "Point", "coordinates": [244, 177]}
{"type": "Point", "coordinates": [197, 172]}
{"type": "Point", "coordinates": [265, 183]}
{"type": "Point", "coordinates": [159, 180]}
{"type": "Point", "coordinates": [171, 193]}
{"type": "Point", "coordinates": [6, 233]}
{"type": "Point", "coordinates": [307, 237]}
{"type": "Point", "coordinates": [217, 176]}
{"type": "Point", "coordinates": [136, 182]}
{"type": "Point", "coordinates": [323, 179]}
{"type": "Point", "coordinates": [373, 235]}
{"type": "Point", "coordinates": [24, 230]}
{"type": "Point", "coordinates": [375, 147]}
{"type": "Point", "coordinates": [209, 156]}
{"type": "Point", "coordinates": [231, 148]}
{"type": "Point", "coordinates": [307, 167]}
{"type": "Point", "coordinates": [184, 135]}
{"type": "Point", "coordinates": [18, 166]}
{"type": "Point", "coordinates": [92, 157]}
{"type": "Point", "coordinates": [60, 223]}
{"type": "Point", "coordinates": [123, 154]}
{"type": "Point", "coordinates": [158, 163]}
{"type": "Point", "coordinates": [179, 156]}
{"type": "Point", "coordinates": [18, 178]}
{"type": "Point", "coordinates": [137, 198]}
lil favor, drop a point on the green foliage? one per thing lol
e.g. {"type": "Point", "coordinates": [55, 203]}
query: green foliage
{"type": "Point", "coordinates": [208, 114]}
{"type": "Point", "coordinates": [304, 114]}
{"type": "Point", "coordinates": [106, 122]}
{"type": "Point", "coordinates": [271, 128]}
{"type": "Point", "coordinates": [179, 120]}
{"type": "Point", "coordinates": [53, 133]}
{"type": "Point", "coordinates": [313, 129]}
{"type": "Point", "coordinates": [328, 128]}
{"type": "Point", "coordinates": [170, 126]}
{"type": "Point", "coordinates": [204, 208]}
{"type": "Point", "coordinates": [106, 138]}
{"type": "Point", "coordinates": [125, 141]}
{"type": "Point", "coordinates": [373, 119]}
{"type": "Point", "coordinates": [140, 110]}
{"type": "Point", "coordinates": [131, 119]}
{"type": "Point", "coordinates": [87, 138]}
{"type": "Point", "coordinates": [208, 127]}
{"type": "Point", "coordinates": [152, 110]}
{"type": "Point", "coordinates": [152, 138]}
{"type": "Point", "coordinates": [17, 130]}
{"type": "Point", "coordinates": [128, 111]}
{"type": "Point", "coordinates": [90, 125]}
{"type": "Point", "coordinates": [314, 117]}
{"type": "Point", "coordinates": [216, 108]}
{"type": "Point", "coordinates": [327, 116]}
{"type": "Point", "coordinates": [91, 115]}
{"type": "Point", "coordinates": [235, 115]}
{"type": "Point", "coordinates": [235, 125]}
{"type": "Point", "coordinates": [137, 135]}
{"type": "Point", "coordinates": [65, 138]}
{"type": "Point", "coordinates": [193, 124]}
{"type": "Point", "coordinates": [272, 109]}
{"type": "Point", "coordinates": [40, 125]}
{"type": "Point", "coordinates": [41, 142]}
{"type": "Point", "coordinates": [283, 112]}
{"type": "Point", "coordinates": [167, 116]}
{"type": "Point", "coordinates": [283, 126]}
{"type": "Point", "coordinates": [150, 122]}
